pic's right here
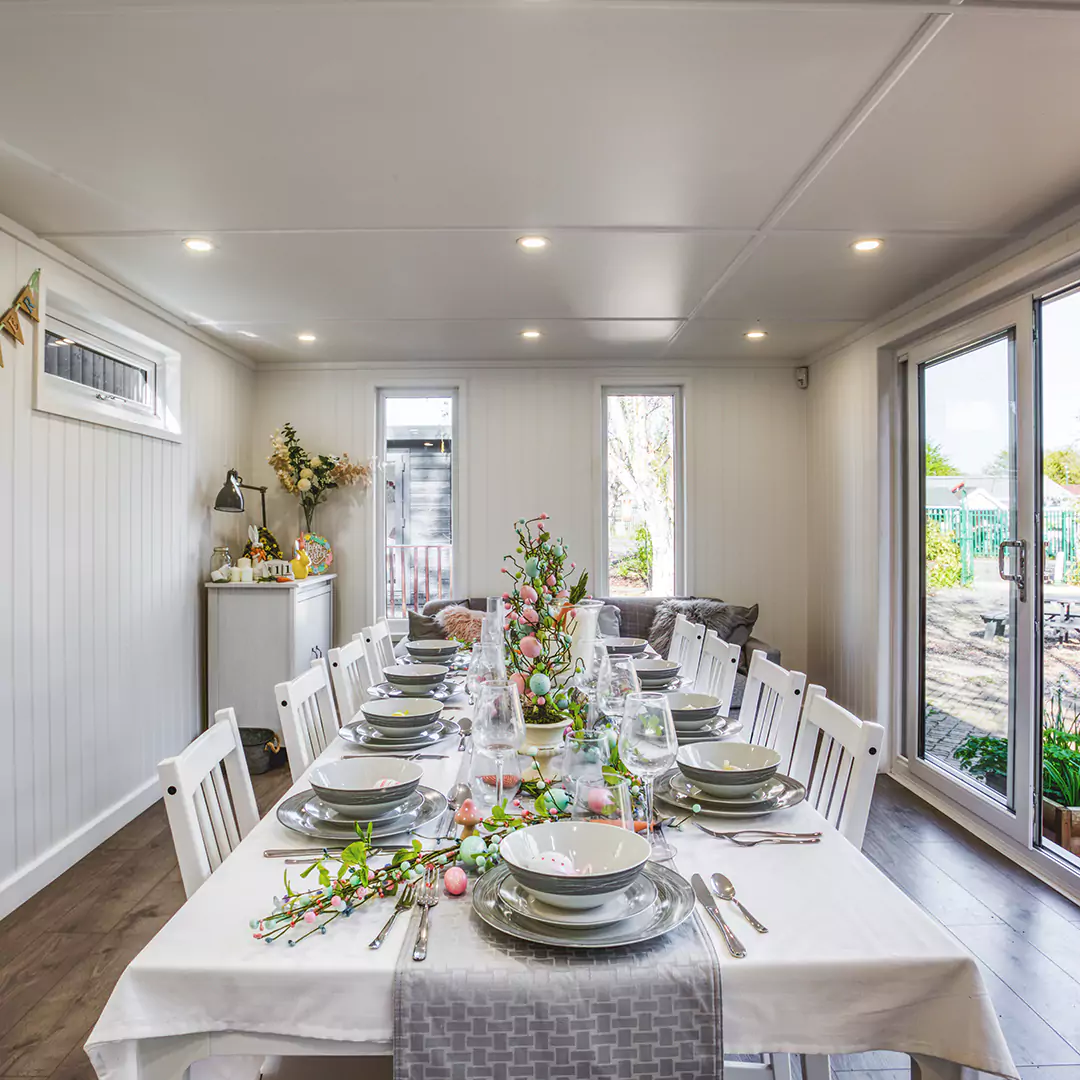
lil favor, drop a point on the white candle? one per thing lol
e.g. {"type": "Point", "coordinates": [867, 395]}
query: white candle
{"type": "Point", "coordinates": [234, 574]}
{"type": "Point", "coordinates": [246, 573]}
{"type": "Point", "coordinates": [244, 564]}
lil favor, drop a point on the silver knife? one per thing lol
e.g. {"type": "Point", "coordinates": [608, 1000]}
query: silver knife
{"type": "Point", "coordinates": [708, 902]}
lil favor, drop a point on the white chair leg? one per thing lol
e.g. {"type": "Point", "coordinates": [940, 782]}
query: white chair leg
{"type": "Point", "coordinates": [816, 1067]}
{"type": "Point", "coordinates": [783, 1067]}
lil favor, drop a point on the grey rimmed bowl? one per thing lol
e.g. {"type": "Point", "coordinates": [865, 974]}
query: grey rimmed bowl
{"type": "Point", "coordinates": [626, 646]}
{"type": "Point", "coordinates": [435, 651]}
{"type": "Point", "coordinates": [365, 788]}
{"type": "Point", "coordinates": [727, 768]}
{"type": "Point", "coordinates": [401, 716]}
{"type": "Point", "coordinates": [693, 710]}
{"type": "Point", "coordinates": [603, 860]}
{"type": "Point", "coordinates": [652, 671]}
{"type": "Point", "coordinates": [415, 676]}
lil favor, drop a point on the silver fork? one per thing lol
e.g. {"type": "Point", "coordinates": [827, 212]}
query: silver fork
{"type": "Point", "coordinates": [740, 836]}
{"type": "Point", "coordinates": [405, 901]}
{"type": "Point", "coordinates": [427, 897]}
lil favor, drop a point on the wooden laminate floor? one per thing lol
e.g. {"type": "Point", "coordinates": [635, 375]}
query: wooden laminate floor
{"type": "Point", "coordinates": [62, 951]}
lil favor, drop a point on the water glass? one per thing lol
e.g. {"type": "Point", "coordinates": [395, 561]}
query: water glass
{"type": "Point", "coordinates": [596, 665]}
{"type": "Point", "coordinates": [498, 726]}
{"type": "Point", "coordinates": [647, 746]}
{"type": "Point", "coordinates": [616, 684]}
{"type": "Point", "coordinates": [585, 753]}
{"type": "Point", "coordinates": [485, 664]}
{"type": "Point", "coordinates": [599, 800]}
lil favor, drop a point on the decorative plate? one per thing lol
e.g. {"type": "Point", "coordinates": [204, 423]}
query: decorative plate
{"type": "Point", "coordinates": [319, 552]}
{"type": "Point", "coordinates": [723, 727]}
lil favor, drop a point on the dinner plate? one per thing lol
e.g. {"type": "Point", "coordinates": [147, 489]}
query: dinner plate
{"type": "Point", "coordinates": [359, 733]}
{"type": "Point", "coordinates": [632, 901]}
{"type": "Point", "coordinates": [674, 904]}
{"type": "Point", "coordinates": [768, 793]}
{"type": "Point", "coordinates": [723, 727]}
{"type": "Point", "coordinates": [293, 814]}
{"type": "Point", "coordinates": [322, 811]}
{"type": "Point", "coordinates": [793, 794]}
{"type": "Point", "coordinates": [441, 692]}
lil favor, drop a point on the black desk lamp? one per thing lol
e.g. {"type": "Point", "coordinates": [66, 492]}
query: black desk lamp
{"type": "Point", "coordinates": [230, 499]}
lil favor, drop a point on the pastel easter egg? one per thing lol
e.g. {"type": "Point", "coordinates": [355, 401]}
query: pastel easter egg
{"type": "Point", "coordinates": [456, 881]}
{"type": "Point", "coordinates": [561, 700]}
{"type": "Point", "coordinates": [557, 551]}
{"type": "Point", "coordinates": [600, 801]}
{"type": "Point", "coordinates": [559, 798]}
{"type": "Point", "coordinates": [562, 594]}
{"type": "Point", "coordinates": [541, 700]}
{"type": "Point", "coordinates": [552, 862]}
{"type": "Point", "coordinates": [530, 616]}
{"type": "Point", "coordinates": [551, 580]}
{"type": "Point", "coordinates": [530, 647]}
{"type": "Point", "coordinates": [528, 594]}
{"type": "Point", "coordinates": [385, 782]}
{"type": "Point", "coordinates": [519, 681]}
{"type": "Point", "coordinates": [470, 847]}
{"type": "Point", "coordinates": [539, 683]}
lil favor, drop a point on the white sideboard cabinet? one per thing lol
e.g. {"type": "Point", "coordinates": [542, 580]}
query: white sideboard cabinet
{"type": "Point", "coordinates": [258, 635]}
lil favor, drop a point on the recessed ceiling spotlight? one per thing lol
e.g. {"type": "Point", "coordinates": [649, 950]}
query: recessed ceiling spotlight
{"type": "Point", "coordinates": [530, 335]}
{"type": "Point", "coordinates": [305, 337]}
{"type": "Point", "coordinates": [197, 243]}
{"type": "Point", "coordinates": [66, 341]}
{"type": "Point", "coordinates": [246, 333]}
{"type": "Point", "coordinates": [755, 335]}
{"type": "Point", "coordinates": [871, 243]}
{"type": "Point", "coordinates": [533, 243]}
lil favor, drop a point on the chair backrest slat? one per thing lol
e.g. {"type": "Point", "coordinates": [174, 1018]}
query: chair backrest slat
{"type": "Point", "coordinates": [207, 816]}
{"type": "Point", "coordinates": [771, 705]}
{"type": "Point", "coordinates": [309, 720]}
{"type": "Point", "coordinates": [379, 644]}
{"type": "Point", "coordinates": [836, 757]}
{"type": "Point", "coordinates": [717, 669]}
{"type": "Point", "coordinates": [686, 641]}
{"type": "Point", "coordinates": [351, 677]}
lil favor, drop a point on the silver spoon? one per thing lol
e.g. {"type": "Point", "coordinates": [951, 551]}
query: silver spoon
{"type": "Point", "coordinates": [724, 889]}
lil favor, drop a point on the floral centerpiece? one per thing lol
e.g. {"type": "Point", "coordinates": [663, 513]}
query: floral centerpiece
{"type": "Point", "coordinates": [311, 478]}
{"type": "Point", "coordinates": [540, 624]}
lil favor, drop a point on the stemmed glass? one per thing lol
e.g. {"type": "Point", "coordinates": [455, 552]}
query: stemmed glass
{"type": "Point", "coordinates": [599, 800]}
{"type": "Point", "coordinates": [617, 682]}
{"type": "Point", "coordinates": [647, 746]}
{"type": "Point", "coordinates": [498, 726]}
{"type": "Point", "coordinates": [596, 666]}
{"type": "Point", "coordinates": [485, 664]}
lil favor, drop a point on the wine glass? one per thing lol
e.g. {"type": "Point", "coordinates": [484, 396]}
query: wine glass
{"type": "Point", "coordinates": [647, 746]}
{"type": "Point", "coordinates": [485, 664]}
{"type": "Point", "coordinates": [596, 665]}
{"type": "Point", "coordinates": [604, 801]}
{"type": "Point", "coordinates": [498, 726]}
{"type": "Point", "coordinates": [617, 682]}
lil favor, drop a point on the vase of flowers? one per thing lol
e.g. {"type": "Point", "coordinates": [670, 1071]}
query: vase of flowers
{"type": "Point", "coordinates": [311, 477]}
{"type": "Point", "coordinates": [539, 634]}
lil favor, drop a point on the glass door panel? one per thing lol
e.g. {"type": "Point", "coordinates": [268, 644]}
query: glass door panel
{"type": "Point", "coordinates": [1059, 339]}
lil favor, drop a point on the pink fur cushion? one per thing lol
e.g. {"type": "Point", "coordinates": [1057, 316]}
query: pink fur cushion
{"type": "Point", "coordinates": [460, 622]}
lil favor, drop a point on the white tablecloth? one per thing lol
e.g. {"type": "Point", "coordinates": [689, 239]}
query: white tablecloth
{"type": "Point", "coordinates": [850, 964]}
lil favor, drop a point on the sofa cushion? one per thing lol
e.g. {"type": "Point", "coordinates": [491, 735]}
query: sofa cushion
{"type": "Point", "coordinates": [424, 627]}
{"type": "Point", "coordinates": [730, 621]}
{"type": "Point", "coordinates": [461, 623]}
{"type": "Point", "coordinates": [609, 622]}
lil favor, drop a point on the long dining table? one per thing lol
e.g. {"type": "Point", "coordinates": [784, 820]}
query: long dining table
{"type": "Point", "coordinates": [850, 963]}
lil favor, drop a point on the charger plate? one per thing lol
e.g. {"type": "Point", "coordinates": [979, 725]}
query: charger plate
{"type": "Point", "coordinates": [723, 727]}
{"type": "Point", "coordinates": [441, 692]}
{"type": "Point", "coordinates": [673, 906]}
{"type": "Point", "coordinates": [294, 815]}
{"type": "Point", "coordinates": [631, 902]}
{"type": "Point", "coordinates": [360, 733]}
{"type": "Point", "coordinates": [670, 796]}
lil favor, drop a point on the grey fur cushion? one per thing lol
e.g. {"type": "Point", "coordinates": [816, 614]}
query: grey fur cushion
{"type": "Point", "coordinates": [730, 621]}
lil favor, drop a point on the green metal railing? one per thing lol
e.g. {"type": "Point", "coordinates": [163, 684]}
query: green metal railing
{"type": "Point", "coordinates": [979, 532]}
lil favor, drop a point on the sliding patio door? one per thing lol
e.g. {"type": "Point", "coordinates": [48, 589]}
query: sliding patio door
{"type": "Point", "coordinates": [973, 567]}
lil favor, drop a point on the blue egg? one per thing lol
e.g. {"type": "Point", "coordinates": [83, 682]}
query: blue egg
{"type": "Point", "coordinates": [539, 684]}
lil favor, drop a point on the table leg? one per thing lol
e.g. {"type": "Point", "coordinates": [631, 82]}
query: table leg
{"type": "Point", "coordinates": [931, 1068]}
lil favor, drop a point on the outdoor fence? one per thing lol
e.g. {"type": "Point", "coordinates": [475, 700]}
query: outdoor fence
{"type": "Point", "coordinates": [986, 529]}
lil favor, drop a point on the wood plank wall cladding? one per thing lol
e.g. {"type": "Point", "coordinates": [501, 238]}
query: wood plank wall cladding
{"type": "Point", "coordinates": [529, 442]}
{"type": "Point", "coordinates": [107, 538]}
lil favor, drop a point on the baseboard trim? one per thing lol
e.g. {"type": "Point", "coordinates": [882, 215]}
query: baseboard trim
{"type": "Point", "coordinates": [48, 866]}
{"type": "Point", "coordinates": [1040, 865]}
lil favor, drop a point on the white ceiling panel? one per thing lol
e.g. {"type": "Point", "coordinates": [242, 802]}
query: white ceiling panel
{"type": "Point", "coordinates": [814, 276]}
{"type": "Point", "coordinates": [331, 116]}
{"type": "Point", "coordinates": [705, 338]}
{"type": "Point", "coordinates": [463, 340]}
{"type": "Point", "coordinates": [979, 134]}
{"type": "Point", "coordinates": [430, 274]}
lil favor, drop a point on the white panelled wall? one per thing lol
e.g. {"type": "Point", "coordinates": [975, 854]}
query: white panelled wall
{"type": "Point", "coordinates": [107, 538]}
{"type": "Point", "coordinates": [529, 442]}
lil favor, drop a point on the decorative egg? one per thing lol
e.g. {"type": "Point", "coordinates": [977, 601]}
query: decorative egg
{"type": "Point", "coordinates": [600, 801]}
{"type": "Point", "coordinates": [530, 647]}
{"type": "Point", "coordinates": [530, 616]}
{"type": "Point", "coordinates": [539, 683]}
{"type": "Point", "coordinates": [519, 681]}
{"type": "Point", "coordinates": [470, 847]}
{"type": "Point", "coordinates": [551, 580]}
{"type": "Point", "coordinates": [456, 881]}
{"type": "Point", "coordinates": [528, 594]}
{"type": "Point", "coordinates": [557, 551]}
{"type": "Point", "coordinates": [532, 567]}
{"type": "Point", "coordinates": [552, 862]}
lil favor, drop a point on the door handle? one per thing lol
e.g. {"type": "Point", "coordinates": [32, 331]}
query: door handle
{"type": "Point", "coordinates": [1020, 577]}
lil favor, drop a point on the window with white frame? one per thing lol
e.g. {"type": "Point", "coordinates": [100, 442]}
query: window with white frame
{"type": "Point", "coordinates": [89, 367]}
{"type": "Point", "coordinates": [642, 490]}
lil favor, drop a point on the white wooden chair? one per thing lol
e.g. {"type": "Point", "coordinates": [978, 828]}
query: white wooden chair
{"type": "Point", "coordinates": [770, 706]}
{"type": "Point", "coordinates": [351, 677]}
{"type": "Point", "coordinates": [309, 720]}
{"type": "Point", "coordinates": [380, 648]}
{"type": "Point", "coordinates": [207, 819]}
{"type": "Point", "coordinates": [836, 757]}
{"type": "Point", "coordinates": [717, 669]}
{"type": "Point", "coordinates": [686, 641]}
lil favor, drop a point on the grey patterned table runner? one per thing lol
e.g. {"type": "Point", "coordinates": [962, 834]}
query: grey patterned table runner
{"type": "Point", "coordinates": [484, 1006]}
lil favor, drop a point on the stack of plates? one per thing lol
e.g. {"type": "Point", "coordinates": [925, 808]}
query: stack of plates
{"type": "Point", "coordinates": [307, 814]}
{"type": "Point", "coordinates": [439, 692]}
{"type": "Point", "coordinates": [655, 903]}
{"type": "Point", "coordinates": [657, 674]}
{"type": "Point", "coordinates": [780, 792]}
{"type": "Point", "coordinates": [361, 733]}
{"type": "Point", "coordinates": [719, 727]}
{"type": "Point", "coordinates": [625, 646]}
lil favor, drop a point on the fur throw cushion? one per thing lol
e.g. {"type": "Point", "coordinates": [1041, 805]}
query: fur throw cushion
{"type": "Point", "coordinates": [458, 621]}
{"type": "Point", "coordinates": [731, 622]}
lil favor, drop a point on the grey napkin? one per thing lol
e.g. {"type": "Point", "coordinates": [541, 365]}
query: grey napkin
{"type": "Point", "coordinates": [485, 1006]}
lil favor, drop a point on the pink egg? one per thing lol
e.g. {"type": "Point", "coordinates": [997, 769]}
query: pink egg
{"type": "Point", "coordinates": [528, 594]}
{"type": "Point", "coordinates": [562, 594]}
{"type": "Point", "coordinates": [599, 800]}
{"type": "Point", "coordinates": [530, 647]}
{"type": "Point", "coordinates": [551, 580]}
{"type": "Point", "coordinates": [518, 680]}
{"type": "Point", "coordinates": [529, 615]}
{"type": "Point", "coordinates": [385, 782]}
{"type": "Point", "coordinates": [456, 881]}
{"type": "Point", "coordinates": [541, 700]}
